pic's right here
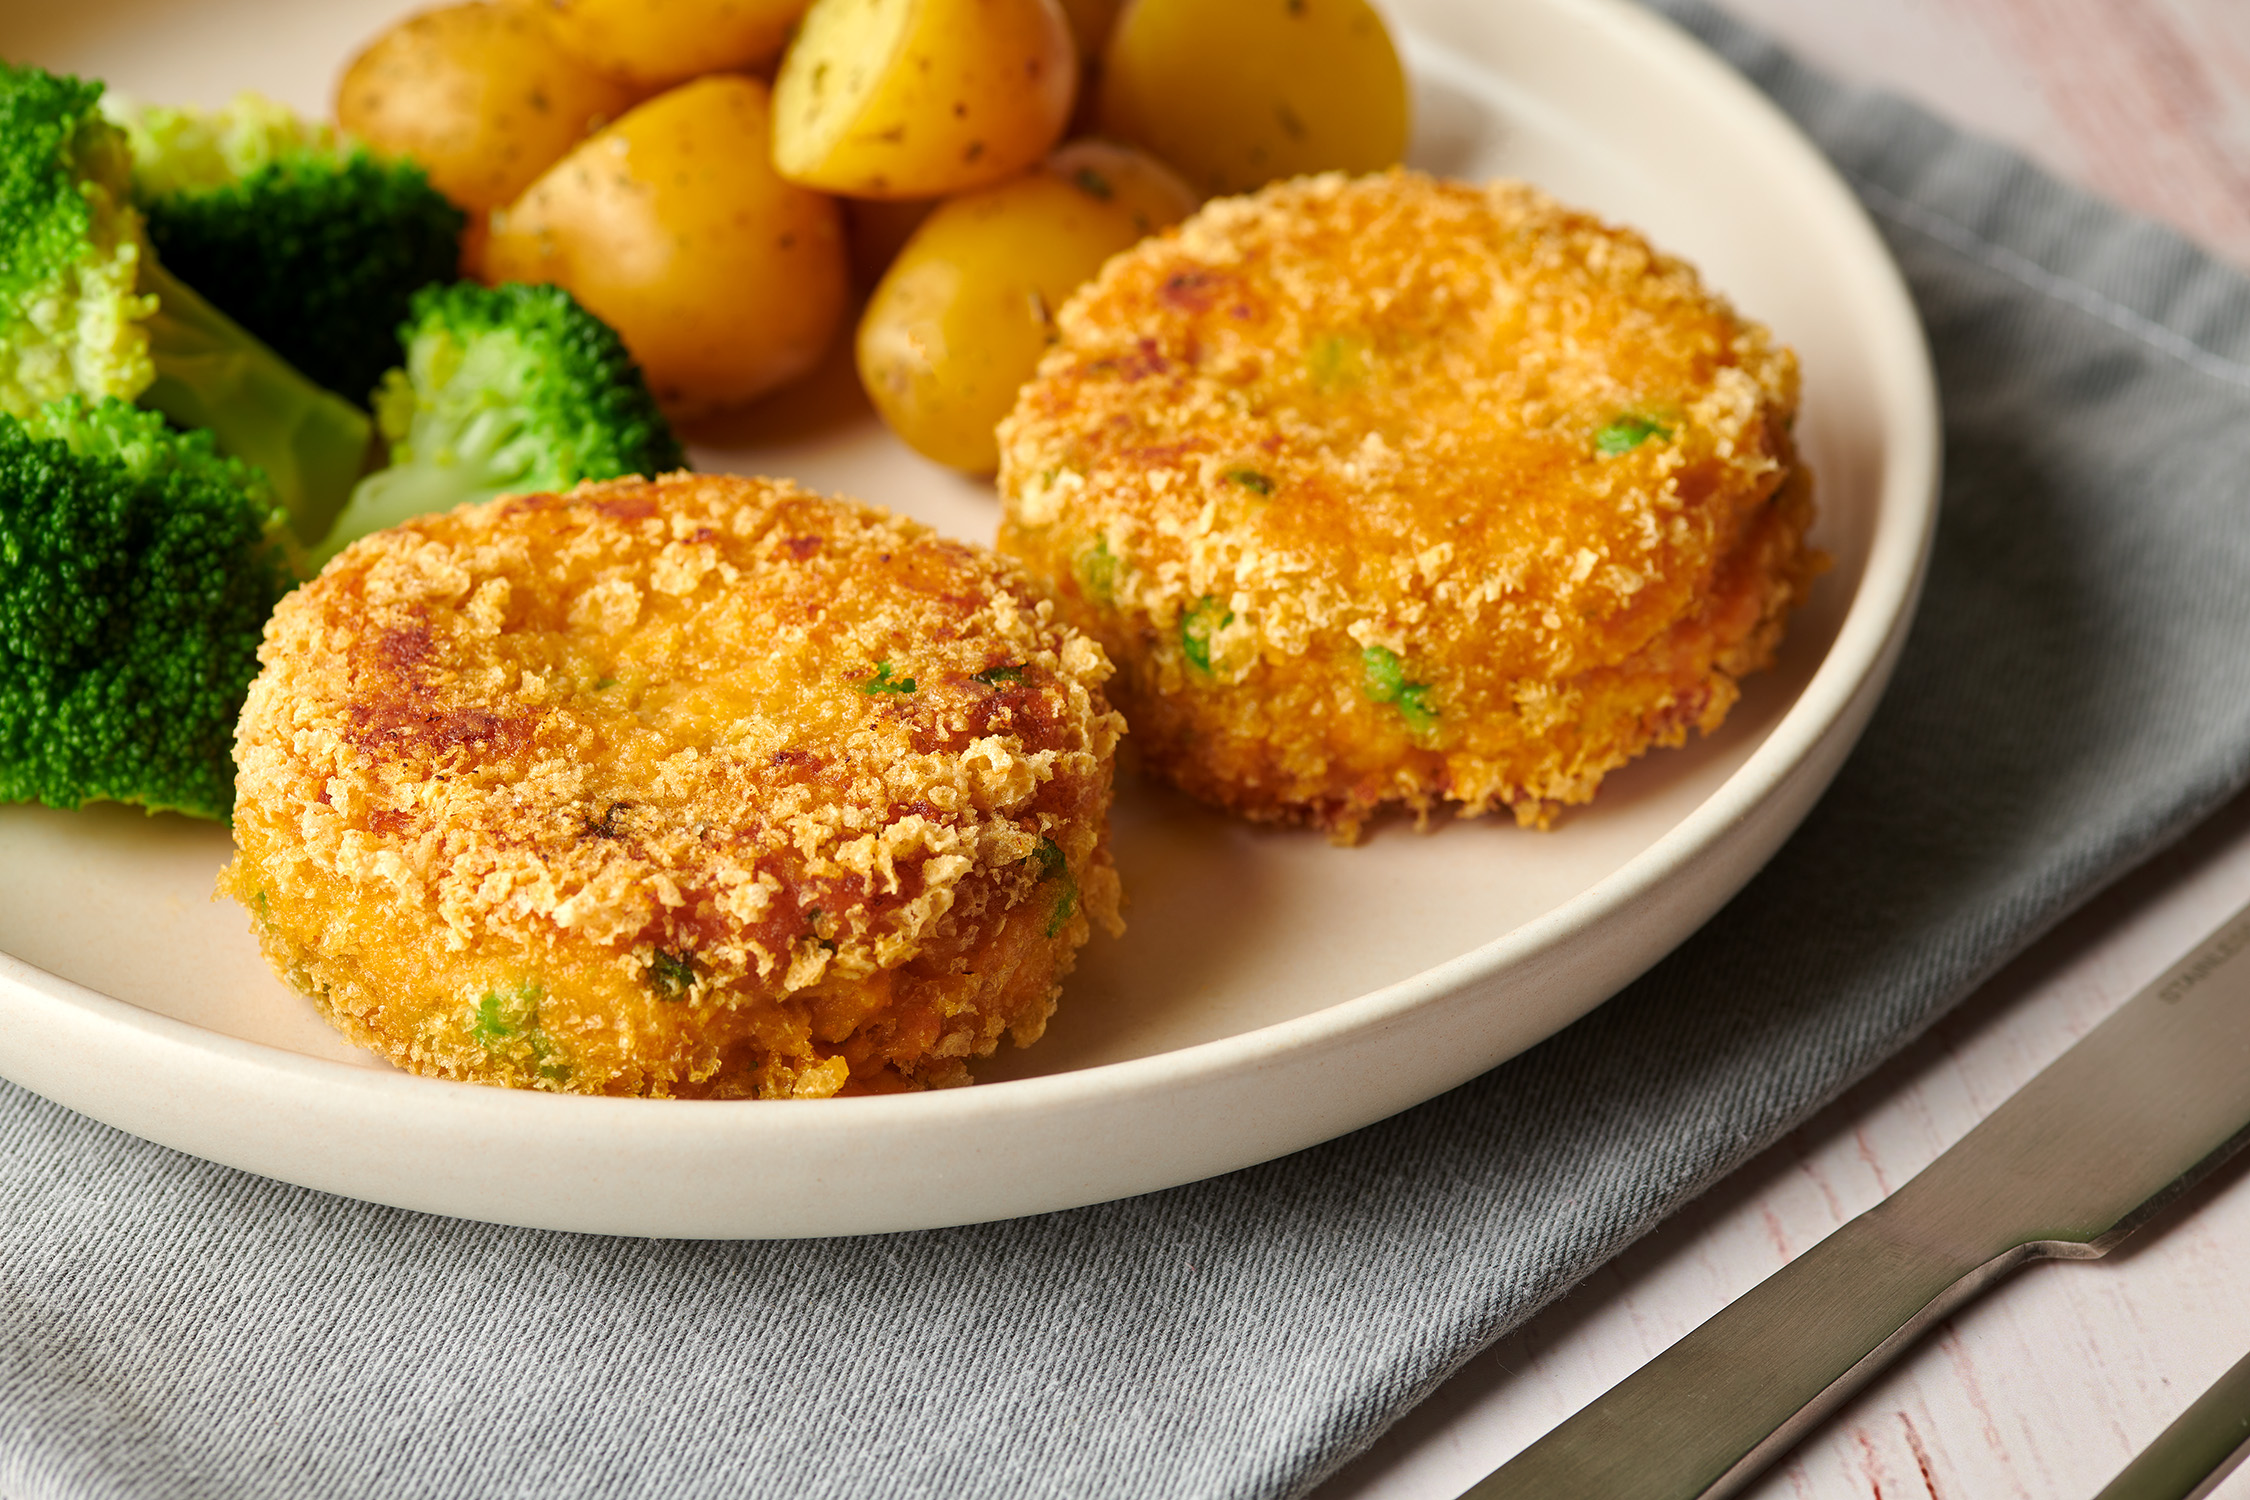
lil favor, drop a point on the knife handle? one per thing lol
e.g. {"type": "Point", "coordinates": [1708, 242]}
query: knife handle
{"type": "Point", "coordinates": [1702, 1418]}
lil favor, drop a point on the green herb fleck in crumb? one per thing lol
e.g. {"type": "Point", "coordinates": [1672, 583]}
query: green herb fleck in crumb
{"type": "Point", "coordinates": [1414, 707]}
{"type": "Point", "coordinates": [993, 677]}
{"type": "Point", "coordinates": [1093, 184]}
{"type": "Point", "coordinates": [1048, 856]}
{"type": "Point", "coordinates": [1383, 680]}
{"type": "Point", "coordinates": [1097, 570]}
{"type": "Point", "coordinates": [505, 1022]}
{"type": "Point", "coordinates": [671, 975]}
{"type": "Point", "coordinates": [884, 682]}
{"type": "Point", "coordinates": [1206, 619]}
{"type": "Point", "coordinates": [493, 1022]}
{"type": "Point", "coordinates": [1626, 433]}
{"type": "Point", "coordinates": [507, 1012]}
{"type": "Point", "coordinates": [1336, 361]}
{"type": "Point", "coordinates": [1251, 480]}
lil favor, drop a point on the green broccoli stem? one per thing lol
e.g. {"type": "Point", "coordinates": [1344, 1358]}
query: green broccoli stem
{"type": "Point", "coordinates": [383, 500]}
{"type": "Point", "coordinates": [473, 467]}
{"type": "Point", "coordinates": [212, 374]}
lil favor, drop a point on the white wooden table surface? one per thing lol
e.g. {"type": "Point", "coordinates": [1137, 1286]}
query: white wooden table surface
{"type": "Point", "coordinates": [2048, 1385]}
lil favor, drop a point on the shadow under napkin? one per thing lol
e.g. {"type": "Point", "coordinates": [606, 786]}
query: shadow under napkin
{"type": "Point", "coordinates": [2076, 693]}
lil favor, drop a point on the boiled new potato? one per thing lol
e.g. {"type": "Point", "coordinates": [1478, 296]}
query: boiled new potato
{"type": "Point", "coordinates": [960, 320]}
{"type": "Point", "coordinates": [654, 44]}
{"type": "Point", "coordinates": [1236, 95]}
{"type": "Point", "coordinates": [921, 98]}
{"type": "Point", "coordinates": [481, 96]}
{"type": "Point", "coordinates": [723, 280]}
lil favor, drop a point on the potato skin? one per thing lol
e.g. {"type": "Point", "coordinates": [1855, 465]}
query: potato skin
{"type": "Point", "coordinates": [724, 280]}
{"type": "Point", "coordinates": [481, 96]}
{"type": "Point", "coordinates": [653, 44]}
{"type": "Point", "coordinates": [960, 320]}
{"type": "Point", "coordinates": [921, 98]}
{"type": "Point", "coordinates": [1242, 94]}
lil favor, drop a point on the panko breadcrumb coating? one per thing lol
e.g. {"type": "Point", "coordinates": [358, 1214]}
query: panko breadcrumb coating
{"type": "Point", "coordinates": [702, 787]}
{"type": "Point", "coordinates": [1392, 490]}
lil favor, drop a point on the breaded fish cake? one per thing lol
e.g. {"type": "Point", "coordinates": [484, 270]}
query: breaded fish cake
{"type": "Point", "coordinates": [1392, 490]}
{"type": "Point", "coordinates": [703, 786]}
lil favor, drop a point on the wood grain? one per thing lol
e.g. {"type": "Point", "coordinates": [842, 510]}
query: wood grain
{"type": "Point", "coordinates": [2145, 101]}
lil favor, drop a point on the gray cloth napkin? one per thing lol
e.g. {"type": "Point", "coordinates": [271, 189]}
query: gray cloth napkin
{"type": "Point", "coordinates": [2076, 693]}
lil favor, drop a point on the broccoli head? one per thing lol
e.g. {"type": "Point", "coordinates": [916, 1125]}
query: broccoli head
{"type": "Point", "coordinates": [505, 389]}
{"type": "Point", "coordinates": [140, 567]}
{"type": "Point", "coordinates": [85, 309]}
{"type": "Point", "coordinates": [70, 248]}
{"type": "Point", "coordinates": [296, 232]}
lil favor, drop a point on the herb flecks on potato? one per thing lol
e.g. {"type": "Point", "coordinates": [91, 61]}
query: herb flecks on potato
{"type": "Point", "coordinates": [921, 98]}
{"type": "Point", "coordinates": [1239, 95]}
{"type": "Point", "coordinates": [482, 97]}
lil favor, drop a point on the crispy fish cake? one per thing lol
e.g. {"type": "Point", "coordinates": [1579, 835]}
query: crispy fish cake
{"type": "Point", "coordinates": [1398, 491]}
{"type": "Point", "coordinates": [703, 787]}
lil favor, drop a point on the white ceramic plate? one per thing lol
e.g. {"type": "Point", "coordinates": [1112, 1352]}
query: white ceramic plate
{"type": "Point", "coordinates": [1273, 991]}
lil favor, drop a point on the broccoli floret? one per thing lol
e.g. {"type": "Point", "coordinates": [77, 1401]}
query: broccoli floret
{"type": "Point", "coordinates": [140, 567]}
{"type": "Point", "coordinates": [296, 232]}
{"type": "Point", "coordinates": [70, 248]}
{"type": "Point", "coordinates": [505, 389]}
{"type": "Point", "coordinates": [86, 310]}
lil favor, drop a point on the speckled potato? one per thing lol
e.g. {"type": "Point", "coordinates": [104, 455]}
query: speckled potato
{"type": "Point", "coordinates": [702, 787]}
{"type": "Point", "coordinates": [653, 44]}
{"type": "Point", "coordinates": [921, 98]}
{"type": "Point", "coordinates": [481, 96]}
{"type": "Point", "coordinates": [1395, 492]}
{"type": "Point", "coordinates": [1240, 94]}
{"type": "Point", "coordinates": [724, 280]}
{"type": "Point", "coordinates": [960, 320]}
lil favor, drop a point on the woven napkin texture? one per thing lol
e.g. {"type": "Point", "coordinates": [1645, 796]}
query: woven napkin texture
{"type": "Point", "coordinates": [2075, 694]}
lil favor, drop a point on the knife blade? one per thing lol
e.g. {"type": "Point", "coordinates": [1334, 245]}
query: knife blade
{"type": "Point", "coordinates": [2126, 1120]}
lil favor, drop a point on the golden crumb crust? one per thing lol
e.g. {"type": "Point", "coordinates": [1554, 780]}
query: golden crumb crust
{"type": "Point", "coordinates": [702, 786]}
{"type": "Point", "coordinates": [1397, 491]}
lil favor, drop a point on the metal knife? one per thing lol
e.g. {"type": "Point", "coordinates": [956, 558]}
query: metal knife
{"type": "Point", "coordinates": [2191, 1457]}
{"type": "Point", "coordinates": [2125, 1121]}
